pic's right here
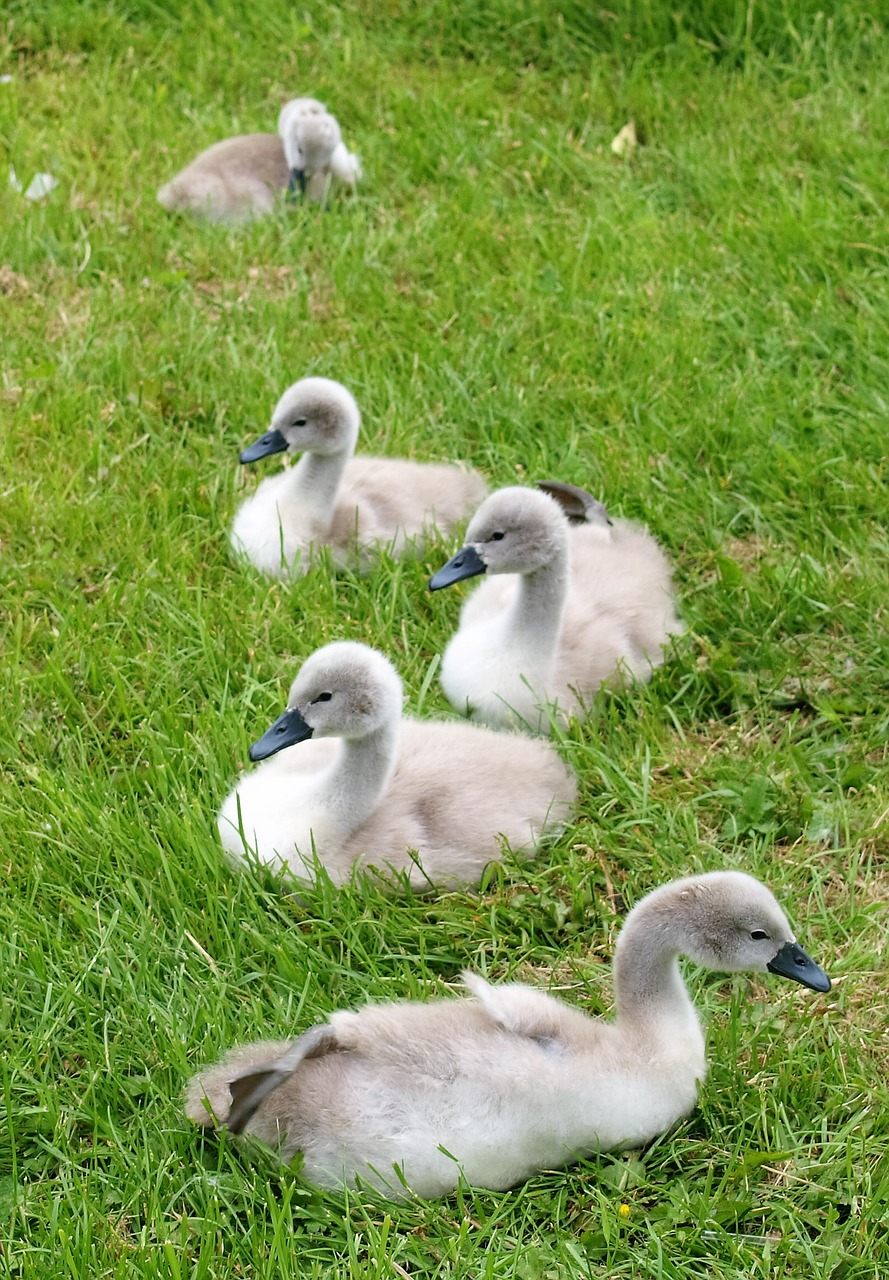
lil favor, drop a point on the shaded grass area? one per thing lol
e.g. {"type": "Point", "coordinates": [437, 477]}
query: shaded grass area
{"type": "Point", "coordinates": [699, 336]}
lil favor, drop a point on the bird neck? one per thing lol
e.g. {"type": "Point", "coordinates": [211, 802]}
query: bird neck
{"type": "Point", "coordinates": [359, 776]}
{"type": "Point", "coordinates": [314, 483]}
{"type": "Point", "coordinates": [537, 612]}
{"type": "Point", "coordinates": [648, 985]}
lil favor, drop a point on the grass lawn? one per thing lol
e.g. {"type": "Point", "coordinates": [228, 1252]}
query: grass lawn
{"type": "Point", "coordinates": [699, 336]}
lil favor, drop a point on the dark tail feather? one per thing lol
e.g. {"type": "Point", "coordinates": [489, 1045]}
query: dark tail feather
{"type": "Point", "coordinates": [579, 506]}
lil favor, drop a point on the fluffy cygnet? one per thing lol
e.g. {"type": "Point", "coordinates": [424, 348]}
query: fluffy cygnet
{"type": "Point", "coordinates": [409, 1096]}
{"type": "Point", "coordinates": [243, 177]}
{"type": "Point", "coordinates": [432, 800]}
{"type": "Point", "coordinates": [577, 602]}
{"type": "Point", "coordinates": [356, 506]}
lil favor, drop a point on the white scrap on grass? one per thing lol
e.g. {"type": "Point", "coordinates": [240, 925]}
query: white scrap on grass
{"type": "Point", "coordinates": [39, 186]}
{"type": "Point", "coordinates": [625, 142]}
{"type": "Point", "coordinates": [6, 79]}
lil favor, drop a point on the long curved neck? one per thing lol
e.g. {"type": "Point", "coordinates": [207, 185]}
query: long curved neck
{"type": "Point", "coordinates": [648, 986]}
{"type": "Point", "coordinates": [359, 775]}
{"type": "Point", "coordinates": [537, 613]}
{"type": "Point", "coordinates": [313, 484]}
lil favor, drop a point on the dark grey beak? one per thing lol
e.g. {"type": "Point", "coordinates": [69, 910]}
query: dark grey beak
{"type": "Point", "coordinates": [271, 442]}
{"type": "Point", "coordinates": [792, 962]}
{"type": "Point", "coordinates": [465, 564]}
{"type": "Point", "coordinates": [297, 181]}
{"type": "Point", "coordinates": [287, 729]}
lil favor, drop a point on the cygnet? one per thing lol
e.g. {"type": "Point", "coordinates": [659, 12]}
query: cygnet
{"type": "Point", "coordinates": [409, 1097]}
{"type": "Point", "coordinates": [356, 506]}
{"type": "Point", "coordinates": [243, 177]}
{"type": "Point", "coordinates": [423, 802]}
{"type": "Point", "coordinates": [572, 602]}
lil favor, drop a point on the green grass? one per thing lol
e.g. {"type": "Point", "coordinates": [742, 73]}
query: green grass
{"type": "Point", "coordinates": [700, 337]}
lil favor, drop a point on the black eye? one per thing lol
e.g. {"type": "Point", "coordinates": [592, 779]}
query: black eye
{"type": "Point", "coordinates": [325, 697]}
{"type": "Point", "coordinates": [758, 934]}
{"type": "Point", "coordinates": [299, 422]}
{"type": "Point", "coordinates": [497, 537]}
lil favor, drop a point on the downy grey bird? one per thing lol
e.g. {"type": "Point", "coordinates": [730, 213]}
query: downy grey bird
{"type": "Point", "coordinates": [360, 787]}
{"type": "Point", "coordinates": [358, 506]}
{"type": "Point", "coordinates": [571, 601]}
{"type": "Point", "coordinates": [410, 1096]}
{"type": "Point", "coordinates": [243, 177]}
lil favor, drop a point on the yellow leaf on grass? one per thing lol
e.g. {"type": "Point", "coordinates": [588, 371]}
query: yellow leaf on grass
{"type": "Point", "coordinates": [626, 141]}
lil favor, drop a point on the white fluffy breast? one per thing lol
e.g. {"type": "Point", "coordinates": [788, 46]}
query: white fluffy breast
{"type": "Point", "coordinates": [278, 810]}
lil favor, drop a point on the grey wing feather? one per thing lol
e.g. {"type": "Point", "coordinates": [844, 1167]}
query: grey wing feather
{"type": "Point", "coordinates": [249, 1089]}
{"type": "Point", "coordinates": [579, 506]}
